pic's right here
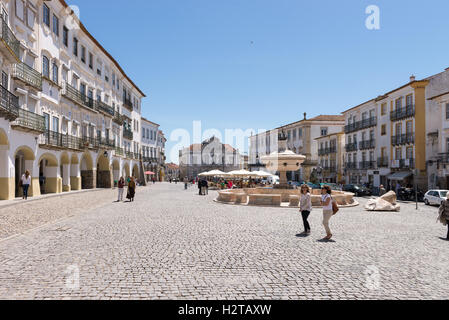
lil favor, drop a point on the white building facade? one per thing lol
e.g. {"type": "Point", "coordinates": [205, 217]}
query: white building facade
{"type": "Point", "coordinates": [69, 114]}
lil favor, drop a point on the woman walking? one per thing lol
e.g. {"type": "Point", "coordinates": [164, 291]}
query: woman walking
{"type": "Point", "coordinates": [444, 214]}
{"type": "Point", "coordinates": [326, 202]}
{"type": "Point", "coordinates": [305, 207]}
{"type": "Point", "coordinates": [26, 182]}
{"type": "Point", "coordinates": [131, 190]}
{"type": "Point", "coordinates": [121, 186]}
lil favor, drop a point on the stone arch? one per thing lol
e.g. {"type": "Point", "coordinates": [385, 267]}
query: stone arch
{"type": "Point", "coordinates": [126, 171]}
{"type": "Point", "coordinates": [49, 180]}
{"type": "Point", "coordinates": [24, 161]}
{"type": "Point", "coordinates": [135, 172]}
{"type": "Point", "coordinates": [104, 173]}
{"type": "Point", "coordinates": [116, 170]}
{"type": "Point", "coordinates": [87, 172]}
{"type": "Point", "coordinates": [7, 182]}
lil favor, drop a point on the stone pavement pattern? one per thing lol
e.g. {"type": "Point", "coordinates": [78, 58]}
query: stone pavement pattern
{"type": "Point", "coordinates": [174, 244]}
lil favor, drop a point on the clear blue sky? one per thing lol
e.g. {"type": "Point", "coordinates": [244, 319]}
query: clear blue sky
{"type": "Point", "coordinates": [263, 63]}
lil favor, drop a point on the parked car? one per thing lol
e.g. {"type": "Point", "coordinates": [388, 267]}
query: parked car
{"type": "Point", "coordinates": [435, 197]}
{"type": "Point", "coordinates": [358, 190]}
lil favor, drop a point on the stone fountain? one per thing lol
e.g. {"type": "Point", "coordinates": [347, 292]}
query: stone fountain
{"type": "Point", "coordinates": [283, 161]}
{"type": "Point", "coordinates": [282, 195]}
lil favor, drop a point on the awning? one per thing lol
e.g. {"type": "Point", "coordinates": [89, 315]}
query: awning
{"type": "Point", "coordinates": [149, 172]}
{"type": "Point", "coordinates": [398, 176]}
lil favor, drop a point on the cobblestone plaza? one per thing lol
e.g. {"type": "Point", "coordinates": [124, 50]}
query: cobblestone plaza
{"type": "Point", "coordinates": [174, 244]}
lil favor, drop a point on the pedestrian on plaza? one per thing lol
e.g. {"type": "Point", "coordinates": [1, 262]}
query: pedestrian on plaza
{"type": "Point", "coordinates": [326, 202]}
{"type": "Point", "coordinates": [382, 190]}
{"type": "Point", "coordinates": [199, 187]}
{"type": "Point", "coordinates": [206, 187]}
{"type": "Point", "coordinates": [398, 189]}
{"type": "Point", "coordinates": [25, 181]}
{"type": "Point", "coordinates": [131, 190]}
{"type": "Point", "coordinates": [305, 207]}
{"type": "Point", "coordinates": [444, 214]}
{"type": "Point", "coordinates": [121, 187]}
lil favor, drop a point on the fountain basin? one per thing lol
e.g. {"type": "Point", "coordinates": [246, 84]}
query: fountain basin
{"type": "Point", "coordinates": [280, 197]}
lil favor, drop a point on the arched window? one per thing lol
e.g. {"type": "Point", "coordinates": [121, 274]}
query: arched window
{"type": "Point", "coordinates": [55, 73]}
{"type": "Point", "coordinates": [45, 67]}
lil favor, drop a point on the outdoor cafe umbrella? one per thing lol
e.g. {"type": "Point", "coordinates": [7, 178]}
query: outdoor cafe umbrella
{"type": "Point", "coordinates": [149, 172]}
{"type": "Point", "coordinates": [242, 174]}
{"type": "Point", "coordinates": [203, 174]}
{"type": "Point", "coordinates": [214, 173]}
{"type": "Point", "coordinates": [262, 174]}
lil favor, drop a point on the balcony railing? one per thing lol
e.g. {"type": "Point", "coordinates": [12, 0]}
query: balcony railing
{"type": "Point", "coordinates": [407, 138]}
{"type": "Point", "coordinates": [28, 75]}
{"type": "Point", "coordinates": [351, 147]}
{"type": "Point", "coordinates": [352, 127]}
{"type": "Point", "coordinates": [91, 142]}
{"type": "Point", "coordinates": [8, 37]}
{"type": "Point", "coordinates": [367, 144]}
{"type": "Point", "coordinates": [403, 164]}
{"type": "Point", "coordinates": [326, 151]}
{"type": "Point", "coordinates": [29, 121]}
{"type": "Point", "coordinates": [106, 143]}
{"type": "Point", "coordinates": [119, 151]}
{"type": "Point", "coordinates": [330, 169]}
{"type": "Point", "coordinates": [128, 104]}
{"type": "Point", "coordinates": [101, 106]}
{"type": "Point", "coordinates": [367, 165]}
{"type": "Point", "coordinates": [127, 133]}
{"type": "Point", "coordinates": [118, 118]}
{"type": "Point", "coordinates": [129, 154]}
{"type": "Point", "coordinates": [382, 162]}
{"type": "Point", "coordinates": [402, 113]}
{"type": "Point", "coordinates": [9, 104]}
{"type": "Point", "coordinates": [351, 165]}
{"type": "Point", "coordinates": [77, 96]}
{"type": "Point", "coordinates": [149, 159]}
{"type": "Point", "coordinates": [58, 140]}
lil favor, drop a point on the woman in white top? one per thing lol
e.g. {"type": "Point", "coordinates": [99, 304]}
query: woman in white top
{"type": "Point", "coordinates": [326, 202]}
{"type": "Point", "coordinates": [305, 207]}
{"type": "Point", "coordinates": [26, 182]}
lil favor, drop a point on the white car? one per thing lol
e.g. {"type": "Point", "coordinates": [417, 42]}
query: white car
{"type": "Point", "coordinates": [435, 197]}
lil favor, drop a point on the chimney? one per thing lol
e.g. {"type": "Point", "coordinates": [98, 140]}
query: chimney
{"type": "Point", "coordinates": [412, 78]}
{"type": "Point", "coordinates": [305, 115]}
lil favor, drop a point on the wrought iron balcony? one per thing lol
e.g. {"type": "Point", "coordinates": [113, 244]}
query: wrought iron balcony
{"type": "Point", "coordinates": [351, 165]}
{"type": "Point", "coordinates": [367, 123]}
{"type": "Point", "coordinates": [119, 151]}
{"type": "Point", "coordinates": [149, 159]}
{"type": "Point", "coordinates": [118, 118]}
{"type": "Point", "coordinates": [382, 162]}
{"type": "Point", "coordinates": [326, 151]}
{"type": "Point", "coordinates": [407, 163]}
{"type": "Point", "coordinates": [367, 165]}
{"type": "Point", "coordinates": [77, 96]}
{"type": "Point", "coordinates": [23, 72]}
{"type": "Point", "coordinates": [127, 133]}
{"type": "Point", "coordinates": [103, 107]}
{"type": "Point", "coordinates": [351, 147]}
{"type": "Point", "coordinates": [127, 103]}
{"type": "Point", "coordinates": [29, 121]}
{"type": "Point", "coordinates": [91, 142]}
{"type": "Point", "coordinates": [9, 105]}
{"type": "Point", "coordinates": [330, 169]}
{"type": "Point", "coordinates": [10, 46]}
{"type": "Point", "coordinates": [106, 143]}
{"type": "Point", "coordinates": [402, 113]}
{"type": "Point", "coordinates": [407, 138]}
{"type": "Point", "coordinates": [56, 140]}
{"type": "Point", "coordinates": [367, 144]}
{"type": "Point", "coordinates": [129, 154]}
{"type": "Point", "coordinates": [352, 127]}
